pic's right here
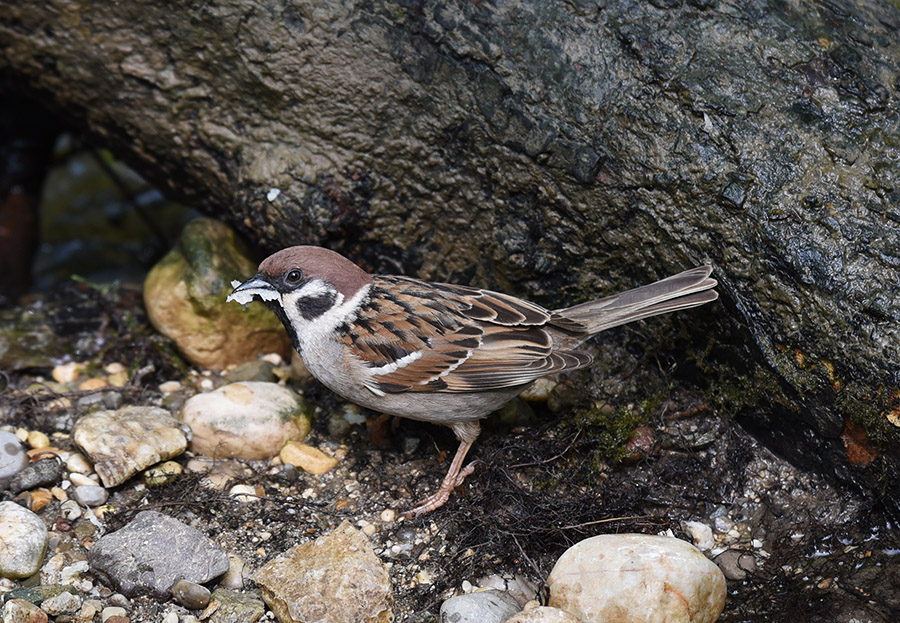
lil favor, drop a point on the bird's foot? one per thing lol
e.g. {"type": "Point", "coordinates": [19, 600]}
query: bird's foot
{"type": "Point", "coordinates": [440, 497]}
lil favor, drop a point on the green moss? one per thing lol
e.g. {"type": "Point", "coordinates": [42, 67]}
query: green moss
{"type": "Point", "coordinates": [610, 429]}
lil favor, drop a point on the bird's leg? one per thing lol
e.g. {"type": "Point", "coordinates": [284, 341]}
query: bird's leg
{"type": "Point", "coordinates": [466, 432]}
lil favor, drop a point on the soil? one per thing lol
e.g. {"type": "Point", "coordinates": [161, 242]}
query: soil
{"type": "Point", "coordinates": [549, 474]}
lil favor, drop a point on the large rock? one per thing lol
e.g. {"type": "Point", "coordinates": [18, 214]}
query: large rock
{"type": "Point", "coordinates": [23, 541]}
{"type": "Point", "coordinates": [185, 299]}
{"type": "Point", "coordinates": [123, 442]}
{"type": "Point", "coordinates": [250, 420]}
{"type": "Point", "coordinates": [154, 551]}
{"type": "Point", "coordinates": [637, 578]}
{"type": "Point", "coordinates": [334, 579]}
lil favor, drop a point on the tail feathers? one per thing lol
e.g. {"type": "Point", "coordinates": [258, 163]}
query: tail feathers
{"type": "Point", "coordinates": [688, 289]}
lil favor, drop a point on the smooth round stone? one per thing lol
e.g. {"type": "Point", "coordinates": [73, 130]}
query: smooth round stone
{"type": "Point", "coordinates": [12, 456]}
{"type": "Point", "coordinates": [248, 420]}
{"type": "Point", "coordinates": [190, 595]}
{"type": "Point", "coordinates": [21, 611]}
{"type": "Point", "coordinates": [90, 495]}
{"type": "Point", "coordinates": [631, 578]}
{"type": "Point", "coordinates": [63, 603]}
{"type": "Point", "coordinates": [23, 541]}
{"type": "Point", "coordinates": [490, 606]}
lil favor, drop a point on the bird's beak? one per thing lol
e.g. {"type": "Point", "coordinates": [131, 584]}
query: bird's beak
{"type": "Point", "coordinates": [256, 286]}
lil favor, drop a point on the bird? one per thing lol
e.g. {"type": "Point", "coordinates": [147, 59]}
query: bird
{"type": "Point", "coordinates": [438, 352]}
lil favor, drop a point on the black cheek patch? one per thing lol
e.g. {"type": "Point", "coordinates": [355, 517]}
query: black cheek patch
{"type": "Point", "coordinates": [314, 306]}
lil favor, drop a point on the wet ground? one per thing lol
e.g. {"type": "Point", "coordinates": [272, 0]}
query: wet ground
{"type": "Point", "coordinates": [550, 474]}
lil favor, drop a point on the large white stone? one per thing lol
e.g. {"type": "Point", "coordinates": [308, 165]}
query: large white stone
{"type": "Point", "coordinates": [631, 578]}
{"type": "Point", "coordinates": [23, 541]}
{"type": "Point", "coordinates": [248, 420]}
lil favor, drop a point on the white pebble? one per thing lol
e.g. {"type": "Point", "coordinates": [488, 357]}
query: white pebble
{"type": "Point", "coordinates": [169, 387]}
{"type": "Point", "coordinates": [388, 515]}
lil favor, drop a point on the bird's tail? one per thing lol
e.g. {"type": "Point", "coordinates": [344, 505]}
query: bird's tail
{"type": "Point", "coordinates": [688, 289]}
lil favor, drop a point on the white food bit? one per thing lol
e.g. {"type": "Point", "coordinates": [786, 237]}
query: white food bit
{"type": "Point", "coordinates": [246, 296]}
{"type": "Point", "coordinates": [273, 193]}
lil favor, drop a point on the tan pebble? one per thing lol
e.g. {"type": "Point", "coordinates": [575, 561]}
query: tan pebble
{"type": "Point", "coordinates": [162, 473]}
{"type": "Point", "coordinates": [39, 499]}
{"type": "Point", "coordinates": [307, 458]}
{"type": "Point", "coordinates": [79, 463]}
{"type": "Point", "coordinates": [36, 439]}
{"type": "Point", "coordinates": [22, 434]}
{"type": "Point", "coordinates": [369, 529]}
{"type": "Point", "coordinates": [207, 384]}
{"type": "Point", "coordinates": [119, 379]}
{"type": "Point", "coordinates": [540, 390]}
{"type": "Point", "coordinates": [388, 515]}
{"type": "Point", "coordinates": [59, 404]}
{"type": "Point", "coordinates": [67, 372]}
{"type": "Point", "coordinates": [244, 493]}
{"type": "Point", "coordinates": [59, 494]}
{"type": "Point", "coordinates": [114, 368]}
{"type": "Point", "coordinates": [169, 386]}
{"type": "Point", "coordinates": [92, 384]}
{"type": "Point", "coordinates": [38, 454]}
{"type": "Point", "coordinates": [81, 480]}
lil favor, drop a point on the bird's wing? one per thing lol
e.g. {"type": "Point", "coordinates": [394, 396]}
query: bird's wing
{"type": "Point", "coordinates": [417, 336]}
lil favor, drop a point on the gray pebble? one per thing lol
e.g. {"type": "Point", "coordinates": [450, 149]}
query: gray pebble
{"type": "Point", "coordinates": [90, 495]}
{"type": "Point", "coordinates": [64, 603]}
{"type": "Point", "coordinates": [190, 595]}
{"type": "Point", "coordinates": [43, 473]}
{"type": "Point", "coordinates": [736, 565]}
{"type": "Point", "coordinates": [12, 456]}
{"type": "Point", "coordinates": [481, 607]}
{"type": "Point", "coordinates": [23, 541]}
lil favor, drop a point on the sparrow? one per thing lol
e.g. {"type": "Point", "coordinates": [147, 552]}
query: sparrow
{"type": "Point", "coordinates": [437, 352]}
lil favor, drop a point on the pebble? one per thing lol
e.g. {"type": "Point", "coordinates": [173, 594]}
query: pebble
{"type": "Point", "coordinates": [388, 515]}
{"type": "Point", "coordinates": [90, 495]}
{"type": "Point", "coordinates": [249, 420]}
{"type": "Point", "coordinates": [23, 541]}
{"type": "Point", "coordinates": [170, 387]}
{"type": "Point", "coordinates": [63, 603]}
{"type": "Point", "coordinates": [490, 606]}
{"type": "Point", "coordinates": [154, 551]}
{"type": "Point", "coordinates": [163, 473]}
{"type": "Point", "coordinates": [92, 384]}
{"type": "Point", "coordinates": [244, 493]}
{"type": "Point", "coordinates": [80, 480]}
{"type": "Point", "coordinates": [540, 390]}
{"type": "Point", "coordinates": [234, 607]}
{"type": "Point", "coordinates": [520, 587]}
{"type": "Point", "coordinates": [38, 499]}
{"type": "Point", "coordinates": [190, 595]}
{"type": "Point", "coordinates": [12, 456]}
{"type": "Point", "coordinates": [337, 577]}
{"type": "Point", "coordinates": [236, 574]}
{"type": "Point", "coordinates": [115, 368]}
{"type": "Point", "coordinates": [70, 510]}
{"type": "Point", "coordinates": [123, 442]}
{"type": "Point", "coordinates": [43, 473]}
{"type": "Point", "coordinates": [67, 372]}
{"type": "Point", "coordinates": [78, 463]}
{"type": "Point", "coordinates": [259, 370]}
{"type": "Point", "coordinates": [21, 611]}
{"type": "Point", "coordinates": [37, 439]}
{"type": "Point", "coordinates": [735, 564]}
{"type": "Point", "coordinates": [700, 533]}
{"type": "Point", "coordinates": [309, 459]}
{"type": "Point", "coordinates": [635, 577]}
{"type": "Point", "coordinates": [112, 611]}
{"type": "Point", "coordinates": [118, 379]}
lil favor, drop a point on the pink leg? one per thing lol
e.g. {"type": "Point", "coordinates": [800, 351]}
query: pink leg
{"type": "Point", "coordinates": [453, 479]}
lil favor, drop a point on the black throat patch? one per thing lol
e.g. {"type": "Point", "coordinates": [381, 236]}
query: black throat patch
{"type": "Point", "coordinates": [314, 306]}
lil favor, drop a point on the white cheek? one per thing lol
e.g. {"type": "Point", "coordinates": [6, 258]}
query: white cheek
{"type": "Point", "coordinates": [323, 326]}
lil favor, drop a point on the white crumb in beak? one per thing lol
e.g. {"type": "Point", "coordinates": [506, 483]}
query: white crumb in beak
{"type": "Point", "coordinates": [235, 283]}
{"type": "Point", "coordinates": [245, 297]}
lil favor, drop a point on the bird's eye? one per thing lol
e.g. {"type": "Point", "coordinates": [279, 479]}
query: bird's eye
{"type": "Point", "coordinates": [293, 276]}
